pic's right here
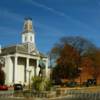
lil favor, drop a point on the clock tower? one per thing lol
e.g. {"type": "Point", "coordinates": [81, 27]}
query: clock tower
{"type": "Point", "coordinates": [28, 34]}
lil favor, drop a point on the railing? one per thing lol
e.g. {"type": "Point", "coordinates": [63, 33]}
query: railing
{"type": "Point", "coordinates": [4, 94]}
{"type": "Point", "coordinates": [80, 94]}
{"type": "Point", "coordinates": [72, 94]}
{"type": "Point", "coordinates": [25, 94]}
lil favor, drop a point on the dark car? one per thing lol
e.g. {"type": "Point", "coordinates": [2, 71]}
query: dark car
{"type": "Point", "coordinates": [3, 87]}
{"type": "Point", "coordinates": [71, 84]}
{"type": "Point", "coordinates": [56, 82]}
{"type": "Point", "coordinates": [18, 87]}
{"type": "Point", "coordinates": [90, 82]}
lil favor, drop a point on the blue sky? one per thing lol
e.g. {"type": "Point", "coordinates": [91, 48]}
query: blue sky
{"type": "Point", "coordinates": [52, 20]}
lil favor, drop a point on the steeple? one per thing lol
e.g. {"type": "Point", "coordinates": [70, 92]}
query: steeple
{"type": "Point", "coordinates": [28, 35]}
{"type": "Point", "coordinates": [28, 25]}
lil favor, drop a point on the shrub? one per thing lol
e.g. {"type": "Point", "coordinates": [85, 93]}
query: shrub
{"type": "Point", "coordinates": [41, 83]}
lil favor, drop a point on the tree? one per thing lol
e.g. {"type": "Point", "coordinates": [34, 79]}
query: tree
{"type": "Point", "coordinates": [54, 54]}
{"type": "Point", "coordinates": [70, 54]}
{"type": "Point", "coordinates": [82, 45]}
{"type": "Point", "coordinates": [67, 63]}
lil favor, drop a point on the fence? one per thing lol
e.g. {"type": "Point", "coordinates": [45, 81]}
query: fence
{"type": "Point", "coordinates": [5, 94]}
{"type": "Point", "coordinates": [80, 94]}
{"type": "Point", "coordinates": [72, 94]}
{"type": "Point", "coordinates": [25, 94]}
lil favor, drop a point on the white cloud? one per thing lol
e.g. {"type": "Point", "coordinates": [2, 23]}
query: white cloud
{"type": "Point", "coordinates": [46, 8]}
{"type": "Point", "coordinates": [58, 13]}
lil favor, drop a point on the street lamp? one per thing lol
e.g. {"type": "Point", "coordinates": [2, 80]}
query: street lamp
{"type": "Point", "coordinates": [29, 70]}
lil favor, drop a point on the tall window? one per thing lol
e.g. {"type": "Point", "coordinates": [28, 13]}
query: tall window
{"type": "Point", "coordinates": [31, 38]}
{"type": "Point", "coordinates": [25, 38]}
{"type": "Point", "coordinates": [25, 27]}
{"type": "Point", "coordinates": [30, 27]}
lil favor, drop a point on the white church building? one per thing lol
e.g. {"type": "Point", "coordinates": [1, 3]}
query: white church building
{"type": "Point", "coordinates": [23, 61]}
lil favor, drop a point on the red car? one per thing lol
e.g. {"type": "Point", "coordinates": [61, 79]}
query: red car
{"type": "Point", "coordinates": [3, 87]}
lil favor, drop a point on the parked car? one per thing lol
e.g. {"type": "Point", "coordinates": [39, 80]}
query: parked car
{"type": "Point", "coordinates": [71, 84]}
{"type": "Point", "coordinates": [3, 87]}
{"type": "Point", "coordinates": [18, 87]}
{"type": "Point", "coordinates": [90, 82]}
{"type": "Point", "coordinates": [56, 82]}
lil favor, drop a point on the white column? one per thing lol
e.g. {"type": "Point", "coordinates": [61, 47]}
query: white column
{"type": "Point", "coordinates": [16, 70]}
{"type": "Point", "coordinates": [6, 69]}
{"type": "Point", "coordinates": [27, 73]}
{"type": "Point", "coordinates": [46, 68]}
{"type": "Point", "coordinates": [37, 68]}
